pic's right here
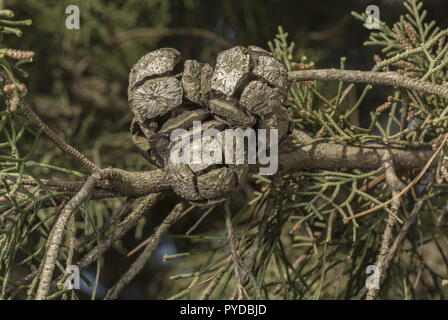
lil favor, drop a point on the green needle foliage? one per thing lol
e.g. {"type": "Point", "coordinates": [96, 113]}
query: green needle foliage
{"type": "Point", "coordinates": [298, 235]}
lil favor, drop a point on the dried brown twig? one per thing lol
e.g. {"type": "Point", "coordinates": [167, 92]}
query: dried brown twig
{"type": "Point", "coordinates": [151, 246]}
{"type": "Point", "coordinates": [396, 185]}
{"type": "Point", "coordinates": [55, 238]}
{"type": "Point", "coordinates": [122, 229]}
{"type": "Point", "coordinates": [371, 77]}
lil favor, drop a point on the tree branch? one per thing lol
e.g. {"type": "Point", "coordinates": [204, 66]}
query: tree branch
{"type": "Point", "coordinates": [115, 183]}
{"type": "Point", "coordinates": [136, 184]}
{"type": "Point", "coordinates": [370, 77]}
{"type": "Point", "coordinates": [293, 156]}
{"type": "Point", "coordinates": [55, 238]}
{"type": "Point", "coordinates": [404, 230]}
{"type": "Point", "coordinates": [396, 185]}
{"type": "Point", "coordinates": [122, 229]}
{"type": "Point", "coordinates": [85, 163]}
{"type": "Point", "coordinates": [329, 156]}
{"type": "Point", "coordinates": [144, 257]}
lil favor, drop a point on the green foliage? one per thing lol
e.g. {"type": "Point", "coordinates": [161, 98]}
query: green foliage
{"type": "Point", "coordinates": [307, 251]}
{"type": "Point", "coordinates": [292, 231]}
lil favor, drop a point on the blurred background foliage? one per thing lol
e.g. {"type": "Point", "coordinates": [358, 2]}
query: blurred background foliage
{"type": "Point", "coordinates": [78, 79]}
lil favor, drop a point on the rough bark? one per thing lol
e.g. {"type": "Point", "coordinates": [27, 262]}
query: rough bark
{"type": "Point", "coordinates": [370, 77]}
{"type": "Point", "coordinates": [334, 156]}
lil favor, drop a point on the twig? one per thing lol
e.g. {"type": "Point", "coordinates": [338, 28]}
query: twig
{"type": "Point", "coordinates": [204, 215]}
{"type": "Point", "coordinates": [261, 234]}
{"type": "Point", "coordinates": [59, 194]}
{"type": "Point", "coordinates": [136, 184]}
{"type": "Point", "coordinates": [151, 238]}
{"type": "Point", "coordinates": [84, 162]}
{"type": "Point", "coordinates": [408, 187]}
{"type": "Point", "coordinates": [56, 235]}
{"type": "Point", "coordinates": [127, 183]}
{"type": "Point", "coordinates": [98, 265]}
{"type": "Point", "coordinates": [71, 243]}
{"type": "Point", "coordinates": [144, 257]}
{"type": "Point", "coordinates": [291, 271]}
{"type": "Point", "coordinates": [294, 156]}
{"type": "Point", "coordinates": [122, 229]}
{"type": "Point", "coordinates": [124, 209]}
{"type": "Point", "coordinates": [213, 284]}
{"type": "Point", "coordinates": [116, 183]}
{"type": "Point", "coordinates": [370, 77]}
{"type": "Point", "coordinates": [402, 234]}
{"type": "Point", "coordinates": [235, 257]}
{"type": "Point", "coordinates": [396, 185]}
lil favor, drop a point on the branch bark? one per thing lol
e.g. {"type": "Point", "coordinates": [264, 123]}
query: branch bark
{"type": "Point", "coordinates": [370, 77]}
{"type": "Point", "coordinates": [329, 156]}
{"type": "Point", "coordinates": [398, 242]}
{"type": "Point", "coordinates": [144, 257]}
{"type": "Point", "coordinates": [122, 229]}
{"type": "Point", "coordinates": [136, 184]}
{"type": "Point", "coordinates": [396, 185]}
{"type": "Point", "coordinates": [115, 183]}
{"type": "Point", "coordinates": [293, 156]}
{"type": "Point", "coordinates": [56, 236]}
{"type": "Point", "coordinates": [84, 162]}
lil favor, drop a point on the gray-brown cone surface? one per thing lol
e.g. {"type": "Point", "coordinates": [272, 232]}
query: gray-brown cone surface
{"type": "Point", "coordinates": [246, 89]}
